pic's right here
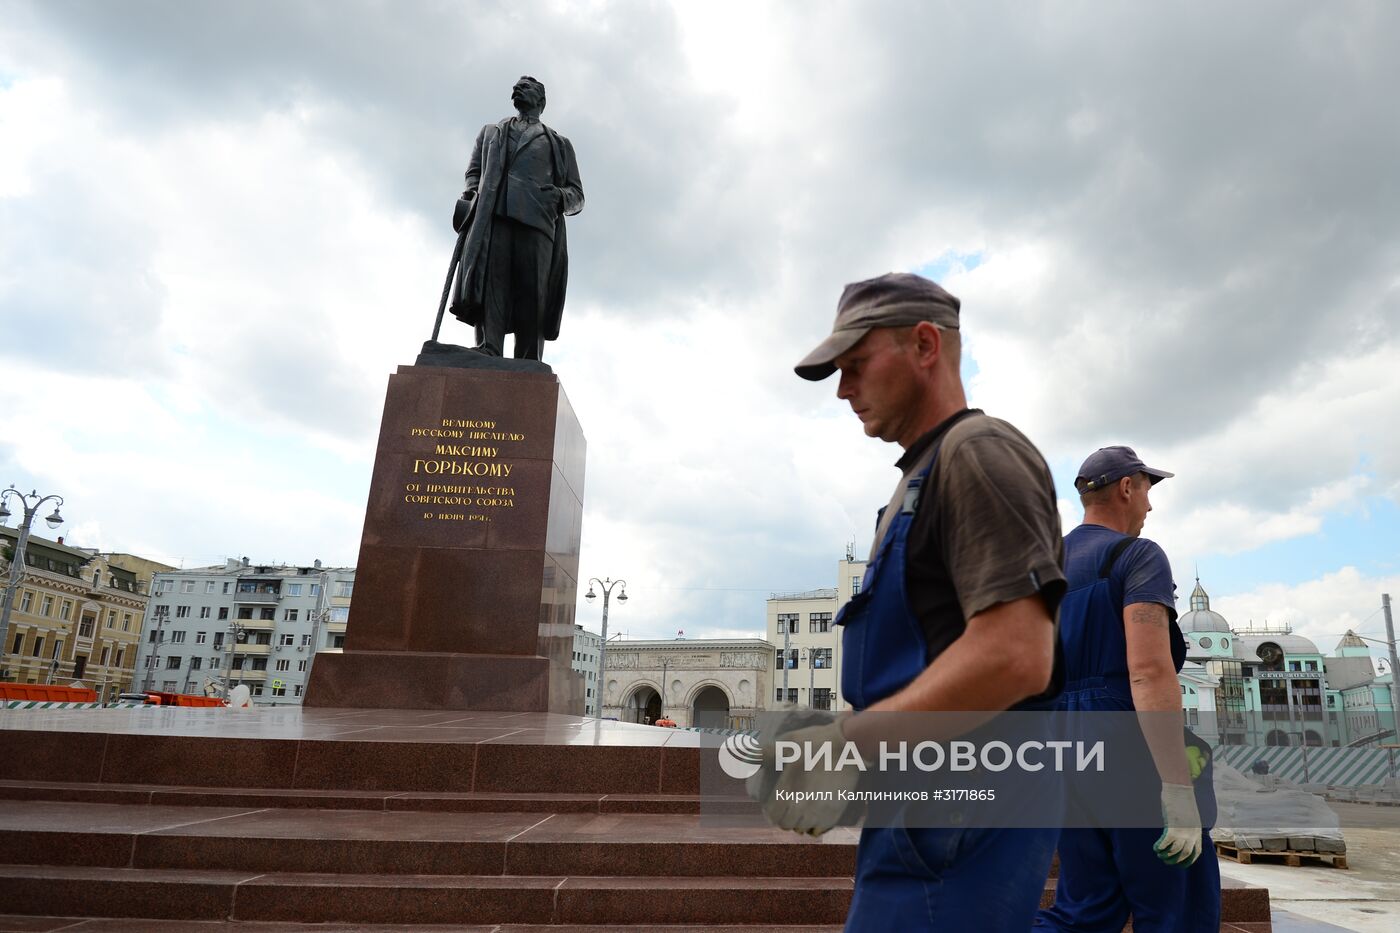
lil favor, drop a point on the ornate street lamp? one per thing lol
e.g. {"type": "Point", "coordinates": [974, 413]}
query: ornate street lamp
{"type": "Point", "coordinates": [607, 584]}
{"type": "Point", "coordinates": [30, 509]}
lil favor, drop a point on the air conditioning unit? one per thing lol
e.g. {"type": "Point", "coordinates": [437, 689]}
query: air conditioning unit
{"type": "Point", "coordinates": [301, 647]}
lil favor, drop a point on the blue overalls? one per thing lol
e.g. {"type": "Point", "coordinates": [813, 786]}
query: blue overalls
{"type": "Point", "coordinates": [911, 878]}
{"type": "Point", "coordinates": [1107, 874]}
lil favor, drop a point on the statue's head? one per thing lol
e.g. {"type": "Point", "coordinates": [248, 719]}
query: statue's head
{"type": "Point", "coordinates": [528, 95]}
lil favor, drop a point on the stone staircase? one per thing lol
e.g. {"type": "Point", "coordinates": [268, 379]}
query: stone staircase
{"type": "Point", "coordinates": [358, 829]}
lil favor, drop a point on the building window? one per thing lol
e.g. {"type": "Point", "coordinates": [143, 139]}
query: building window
{"type": "Point", "coordinates": [167, 686]}
{"type": "Point", "coordinates": [344, 588]}
{"type": "Point", "coordinates": [1310, 666]}
{"type": "Point", "coordinates": [297, 688]}
{"type": "Point", "coordinates": [306, 641]}
{"type": "Point", "coordinates": [111, 618]}
{"type": "Point", "coordinates": [121, 653]}
{"type": "Point", "coordinates": [821, 698]}
{"type": "Point", "coordinates": [19, 643]}
{"type": "Point", "coordinates": [39, 647]}
{"type": "Point", "coordinates": [173, 662]}
{"type": "Point", "coordinates": [201, 637]}
{"type": "Point", "coordinates": [65, 610]}
{"type": "Point", "coordinates": [289, 615]}
{"type": "Point", "coordinates": [286, 639]}
{"type": "Point", "coordinates": [46, 606]}
{"type": "Point", "coordinates": [223, 613]}
{"type": "Point", "coordinates": [788, 622]}
{"type": "Point", "coordinates": [204, 612]}
{"type": "Point", "coordinates": [283, 664]}
{"type": "Point", "coordinates": [218, 640]}
{"type": "Point", "coordinates": [225, 589]}
{"type": "Point", "coordinates": [208, 587]}
{"type": "Point", "coordinates": [267, 614]}
{"type": "Point", "coordinates": [196, 663]}
{"type": "Point", "coordinates": [819, 622]}
{"type": "Point", "coordinates": [186, 586]}
{"type": "Point", "coordinates": [301, 666]}
{"type": "Point", "coordinates": [821, 658]}
{"type": "Point", "coordinates": [85, 627]}
{"type": "Point", "coordinates": [126, 621]}
{"type": "Point", "coordinates": [293, 589]}
{"type": "Point", "coordinates": [792, 655]}
{"type": "Point", "coordinates": [257, 690]}
{"type": "Point", "coordinates": [855, 585]}
{"type": "Point", "coordinates": [177, 637]}
{"type": "Point", "coordinates": [105, 651]}
{"type": "Point", "coordinates": [315, 589]}
{"type": "Point", "coordinates": [791, 695]}
{"type": "Point", "coordinates": [259, 664]}
{"type": "Point", "coordinates": [26, 602]}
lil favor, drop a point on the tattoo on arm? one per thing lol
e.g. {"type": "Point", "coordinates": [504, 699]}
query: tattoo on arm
{"type": "Point", "coordinates": [1148, 614]}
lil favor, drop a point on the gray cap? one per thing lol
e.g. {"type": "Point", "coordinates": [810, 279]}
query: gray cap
{"type": "Point", "coordinates": [896, 299]}
{"type": "Point", "coordinates": [1109, 465]}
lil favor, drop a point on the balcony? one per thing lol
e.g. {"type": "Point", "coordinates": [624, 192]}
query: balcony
{"type": "Point", "coordinates": [336, 627]}
{"type": "Point", "coordinates": [247, 677]}
{"type": "Point", "coordinates": [257, 625]}
{"type": "Point", "coordinates": [263, 650]}
{"type": "Point", "coordinates": [258, 599]}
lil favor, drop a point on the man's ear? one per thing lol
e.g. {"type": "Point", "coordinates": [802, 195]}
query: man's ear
{"type": "Point", "coordinates": [928, 342]}
{"type": "Point", "coordinates": [1125, 487]}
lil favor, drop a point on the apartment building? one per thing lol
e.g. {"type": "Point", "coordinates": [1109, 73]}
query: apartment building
{"type": "Point", "coordinates": [209, 629]}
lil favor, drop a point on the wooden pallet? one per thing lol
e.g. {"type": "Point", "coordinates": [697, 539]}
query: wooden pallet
{"type": "Point", "coordinates": [1285, 857]}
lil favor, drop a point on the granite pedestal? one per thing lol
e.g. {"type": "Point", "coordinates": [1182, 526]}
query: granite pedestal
{"type": "Point", "coordinates": [468, 568]}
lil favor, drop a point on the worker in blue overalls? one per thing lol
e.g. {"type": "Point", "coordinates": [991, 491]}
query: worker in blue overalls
{"type": "Point", "coordinates": [956, 611]}
{"type": "Point", "coordinates": [1122, 651]}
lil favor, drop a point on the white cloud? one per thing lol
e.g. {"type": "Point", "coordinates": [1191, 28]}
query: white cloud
{"type": "Point", "coordinates": [220, 233]}
{"type": "Point", "coordinates": [1322, 609]}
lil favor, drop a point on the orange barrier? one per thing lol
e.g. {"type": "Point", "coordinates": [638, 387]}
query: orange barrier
{"type": "Point", "coordinates": [157, 698]}
{"type": "Point", "coordinates": [47, 693]}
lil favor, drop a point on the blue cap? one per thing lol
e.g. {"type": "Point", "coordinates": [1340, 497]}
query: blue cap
{"type": "Point", "coordinates": [1109, 465]}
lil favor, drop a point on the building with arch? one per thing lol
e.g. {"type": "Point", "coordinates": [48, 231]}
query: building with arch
{"type": "Point", "coordinates": [1269, 686]}
{"type": "Point", "coordinates": [713, 683]}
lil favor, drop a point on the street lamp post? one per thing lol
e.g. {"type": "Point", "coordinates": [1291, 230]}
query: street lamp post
{"type": "Point", "coordinates": [607, 584]}
{"type": "Point", "coordinates": [810, 656]}
{"type": "Point", "coordinates": [665, 675]}
{"type": "Point", "coordinates": [30, 509]}
{"type": "Point", "coordinates": [161, 614]}
{"type": "Point", "coordinates": [236, 633]}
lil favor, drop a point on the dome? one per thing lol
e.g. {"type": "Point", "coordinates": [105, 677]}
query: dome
{"type": "Point", "coordinates": [1247, 644]}
{"type": "Point", "coordinates": [1201, 618]}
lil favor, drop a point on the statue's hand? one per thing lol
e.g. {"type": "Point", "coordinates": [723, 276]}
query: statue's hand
{"type": "Point", "coordinates": [553, 193]}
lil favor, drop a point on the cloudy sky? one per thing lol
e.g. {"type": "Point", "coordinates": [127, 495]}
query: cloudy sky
{"type": "Point", "coordinates": [1172, 226]}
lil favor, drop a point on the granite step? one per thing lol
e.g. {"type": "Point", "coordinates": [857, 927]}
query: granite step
{"type": "Point", "coordinates": [289, 798]}
{"type": "Point", "coordinates": [419, 899]}
{"type": "Point", "coordinates": [16, 924]}
{"type": "Point", "coordinates": [320, 898]}
{"type": "Point", "coordinates": [408, 842]}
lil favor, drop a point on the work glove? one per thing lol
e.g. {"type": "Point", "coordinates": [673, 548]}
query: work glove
{"type": "Point", "coordinates": [1196, 760]}
{"type": "Point", "coordinates": [804, 801]}
{"type": "Point", "coordinates": [1180, 842]}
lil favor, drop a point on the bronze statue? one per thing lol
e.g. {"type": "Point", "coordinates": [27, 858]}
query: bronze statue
{"type": "Point", "coordinates": [511, 264]}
